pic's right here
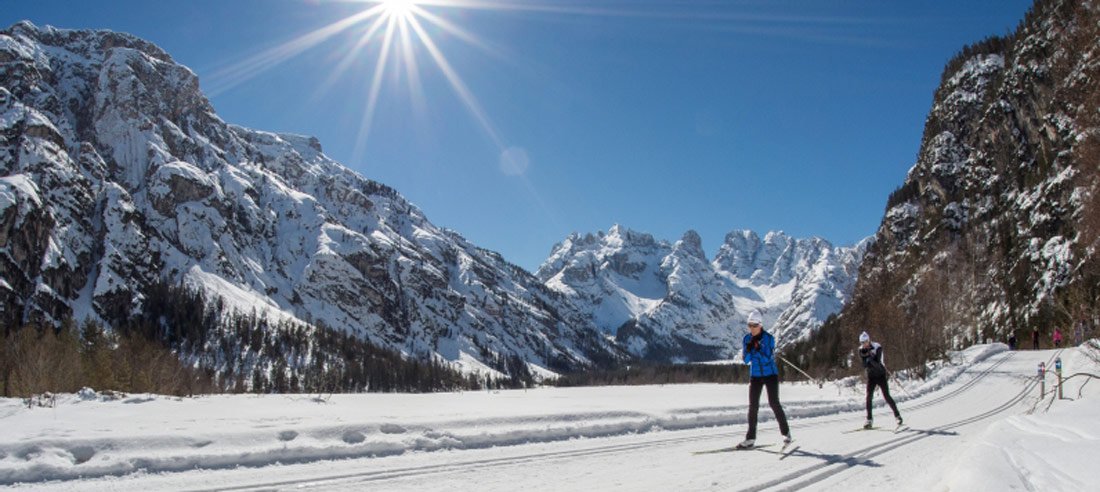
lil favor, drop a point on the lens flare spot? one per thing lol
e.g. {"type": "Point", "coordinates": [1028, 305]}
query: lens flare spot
{"type": "Point", "coordinates": [514, 161]}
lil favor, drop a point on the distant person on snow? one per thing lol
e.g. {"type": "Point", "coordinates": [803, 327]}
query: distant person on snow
{"type": "Point", "coordinates": [1079, 333]}
{"type": "Point", "coordinates": [871, 353]}
{"type": "Point", "coordinates": [1012, 342]}
{"type": "Point", "coordinates": [758, 349]}
{"type": "Point", "coordinates": [1035, 339]}
{"type": "Point", "coordinates": [1057, 338]}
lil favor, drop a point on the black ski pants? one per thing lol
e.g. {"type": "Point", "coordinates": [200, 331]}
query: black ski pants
{"type": "Point", "coordinates": [880, 382]}
{"type": "Point", "coordinates": [755, 385]}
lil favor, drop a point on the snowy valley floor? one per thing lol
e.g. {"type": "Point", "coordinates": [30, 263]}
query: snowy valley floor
{"type": "Point", "coordinates": [977, 424]}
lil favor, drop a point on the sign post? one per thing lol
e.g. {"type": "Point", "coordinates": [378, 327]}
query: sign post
{"type": "Point", "coordinates": [1042, 380]}
{"type": "Point", "coordinates": [1058, 371]}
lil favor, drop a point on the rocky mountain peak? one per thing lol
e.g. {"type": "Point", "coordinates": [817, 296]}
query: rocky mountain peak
{"type": "Point", "coordinates": [691, 244]}
{"type": "Point", "coordinates": [988, 233]}
{"type": "Point", "coordinates": [668, 302]}
{"type": "Point", "coordinates": [126, 178]}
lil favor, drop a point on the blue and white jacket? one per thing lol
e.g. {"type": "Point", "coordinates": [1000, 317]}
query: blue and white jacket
{"type": "Point", "coordinates": [761, 361]}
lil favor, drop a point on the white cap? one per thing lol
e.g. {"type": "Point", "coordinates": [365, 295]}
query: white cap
{"type": "Point", "coordinates": [755, 318]}
{"type": "Point", "coordinates": [864, 337]}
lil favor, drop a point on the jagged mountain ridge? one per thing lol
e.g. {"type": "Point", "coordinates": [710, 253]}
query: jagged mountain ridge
{"type": "Point", "coordinates": [118, 174]}
{"type": "Point", "coordinates": [668, 302]}
{"type": "Point", "coordinates": [996, 226]}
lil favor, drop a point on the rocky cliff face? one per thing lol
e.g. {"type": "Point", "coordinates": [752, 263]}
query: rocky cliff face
{"type": "Point", "coordinates": [668, 302]}
{"type": "Point", "coordinates": [994, 229]}
{"type": "Point", "coordinates": [117, 174]}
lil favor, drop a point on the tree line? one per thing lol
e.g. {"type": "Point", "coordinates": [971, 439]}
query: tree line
{"type": "Point", "coordinates": [182, 343]}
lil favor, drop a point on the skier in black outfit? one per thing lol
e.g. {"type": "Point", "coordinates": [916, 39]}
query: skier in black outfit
{"type": "Point", "coordinates": [871, 353]}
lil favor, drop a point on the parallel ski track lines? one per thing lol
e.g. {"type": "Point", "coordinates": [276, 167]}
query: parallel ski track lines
{"type": "Point", "coordinates": [925, 404]}
{"type": "Point", "coordinates": [875, 450]}
{"type": "Point", "coordinates": [969, 384]}
{"type": "Point", "coordinates": [465, 465]}
{"type": "Point", "coordinates": [805, 477]}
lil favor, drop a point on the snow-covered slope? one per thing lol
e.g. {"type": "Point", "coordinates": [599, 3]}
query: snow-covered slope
{"type": "Point", "coordinates": [997, 224]}
{"type": "Point", "coordinates": [117, 173]}
{"type": "Point", "coordinates": [666, 301]}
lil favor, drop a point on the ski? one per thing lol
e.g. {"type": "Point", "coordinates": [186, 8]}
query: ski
{"type": "Point", "coordinates": [732, 449]}
{"type": "Point", "coordinates": [900, 428]}
{"type": "Point", "coordinates": [861, 429]}
{"type": "Point", "coordinates": [784, 454]}
{"type": "Point", "coordinates": [787, 448]}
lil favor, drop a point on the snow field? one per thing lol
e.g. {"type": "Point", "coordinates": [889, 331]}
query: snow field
{"type": "Point", "coordinates": [88, 435]}
{"type": "Point", "coordinates": [1052, 446]}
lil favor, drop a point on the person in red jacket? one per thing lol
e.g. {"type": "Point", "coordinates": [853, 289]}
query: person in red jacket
{"type": "Point", "coordinates": [1057, 337]}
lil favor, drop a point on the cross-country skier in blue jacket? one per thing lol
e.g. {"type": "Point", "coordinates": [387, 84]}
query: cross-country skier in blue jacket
{"type": "Point", "coordinates": [759, 352]}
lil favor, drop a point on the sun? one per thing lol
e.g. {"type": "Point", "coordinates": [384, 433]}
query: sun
{"type": "Point", "coordinates": [385, 34]}
{"type": "Point", "coordinates": [398, 8]}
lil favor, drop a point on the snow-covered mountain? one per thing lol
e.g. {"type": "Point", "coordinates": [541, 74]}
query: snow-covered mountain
{"type": "Point", "coordinates": [117, 174]}
{"type": "Point", "coordinates": [997, 224]}
{"type": "Point", "coordinates": [667, 301]}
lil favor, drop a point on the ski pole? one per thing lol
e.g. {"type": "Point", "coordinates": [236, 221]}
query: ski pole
{"type": "Point", "coordinates": [789, 363]}
{"type": "Point", "coordinates": [902, 386]}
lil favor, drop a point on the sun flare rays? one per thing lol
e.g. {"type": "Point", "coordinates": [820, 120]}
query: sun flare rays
{"type": "Point", "coordinates": [386, 40]}
{"type": "Point", "coordinates": [386, 35]}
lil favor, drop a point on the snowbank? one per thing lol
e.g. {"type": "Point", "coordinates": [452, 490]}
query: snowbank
{"type": "Point", "coordinates": [88, 436]}
{"type": "Point", "coordinates": [941, 373]}
{"type": "Point", "coordinates": [1047, 450]}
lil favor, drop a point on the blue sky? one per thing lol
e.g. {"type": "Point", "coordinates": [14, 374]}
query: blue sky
{"type": "Point", "coordinates": [662, 116]}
